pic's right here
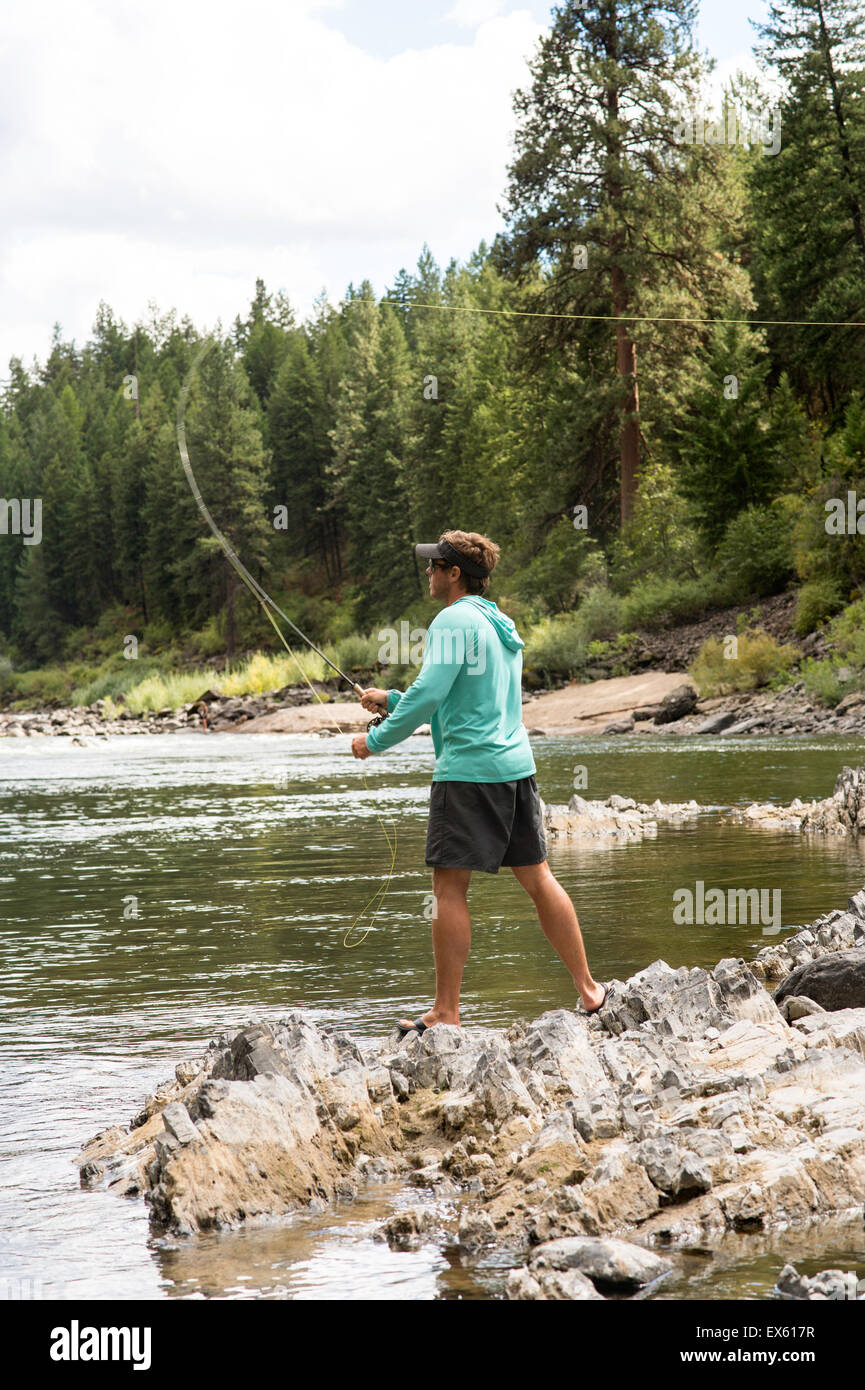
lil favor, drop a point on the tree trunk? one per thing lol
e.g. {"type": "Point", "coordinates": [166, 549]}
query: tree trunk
{"type": "Point", "coordinates": [626, 348]}
{"type": "Point", "coordinates": [229, 612]}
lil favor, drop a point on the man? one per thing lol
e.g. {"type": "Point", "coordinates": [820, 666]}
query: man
{"type": "Point", "coordinates": [484, 805]}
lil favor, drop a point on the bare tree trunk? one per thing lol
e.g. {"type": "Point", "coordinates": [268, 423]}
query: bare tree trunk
{"type": "Point", "coordinates": [626, 348]}
{"type": "Point", "coordinates": [626, 363]}
{"type": "Point", "coordinates": [229, 612]}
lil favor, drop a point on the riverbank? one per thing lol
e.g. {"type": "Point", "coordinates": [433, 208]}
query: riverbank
{"type": "Point", "coordinates": [589, 1152]}
{"type": "Point", "coordinates": [650, 703]}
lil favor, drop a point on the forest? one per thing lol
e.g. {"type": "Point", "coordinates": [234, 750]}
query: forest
{"type": "Point", "coordinates": [648, 388]}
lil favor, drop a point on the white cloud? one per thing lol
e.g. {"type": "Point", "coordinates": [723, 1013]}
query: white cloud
{"type": "Point", "coordinates": [174, 152]}
{"type": "Point", "coordinates": [473, 12]}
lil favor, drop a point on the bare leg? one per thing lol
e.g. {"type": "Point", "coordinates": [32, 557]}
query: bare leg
{"type": "Point", "coordinates": [451, 936]}
{"type": "Point", "coordinates": [558, 919]}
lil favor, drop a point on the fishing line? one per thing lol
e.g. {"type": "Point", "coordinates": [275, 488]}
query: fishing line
{"type": "Point", "coordinates": [615, 318]}
{"type": "Point", "coordinates": [267, 603]}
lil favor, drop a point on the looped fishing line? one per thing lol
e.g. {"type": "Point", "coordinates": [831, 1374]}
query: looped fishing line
{"type": "Point", "coordinates": [267, 604]}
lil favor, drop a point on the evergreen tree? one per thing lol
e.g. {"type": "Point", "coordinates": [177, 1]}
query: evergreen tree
{"type": "Point", "coordinates": [370, 439]}
{"type": "Point", "coordinates": [609, 210]}
{"type": "Point", "coordinates": [809, 196]}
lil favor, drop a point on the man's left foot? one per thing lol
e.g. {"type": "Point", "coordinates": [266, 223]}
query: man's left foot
{"type": "Point", "coordinates": [593, 1009]}
{"type": "Point", "coordinates": [421, 1024]}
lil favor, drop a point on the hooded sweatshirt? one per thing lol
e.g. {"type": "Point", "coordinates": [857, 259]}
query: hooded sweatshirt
{"type": "Point", "coordinates": [470, 691]}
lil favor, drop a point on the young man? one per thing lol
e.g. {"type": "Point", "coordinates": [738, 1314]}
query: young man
{"type": "Point", "coordinates": [484, 805]}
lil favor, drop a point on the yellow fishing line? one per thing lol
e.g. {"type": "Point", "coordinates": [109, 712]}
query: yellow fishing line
{"type": "Point", "coordinates": [618, 318]}
{"type": "Point", "coordinates": [265, 600]}
{"type": "Point", "coordinates": [381, 891]}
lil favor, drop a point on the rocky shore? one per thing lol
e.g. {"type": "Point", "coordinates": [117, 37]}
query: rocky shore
{"type": "Point", "coordinates": [761, 713]}
{"type": "Point", "coordinates": [619, 706]}
{"type": "Point", "coordinates": [589, 1151]}
{"type": "Point", "coordinates": [212, 712]}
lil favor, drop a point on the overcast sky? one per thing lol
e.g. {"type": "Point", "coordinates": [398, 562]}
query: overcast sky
{"type": "Point", "coordinates": [175, 150]}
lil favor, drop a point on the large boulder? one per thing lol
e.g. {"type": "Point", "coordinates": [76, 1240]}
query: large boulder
{"type": "Point", "coordinates": [834, 981]}
{"type": "Point", "coordinates": [677, 704]}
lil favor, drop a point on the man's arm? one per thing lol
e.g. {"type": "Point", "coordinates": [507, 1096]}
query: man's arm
{"type": "Point", "coordinates": [416, 705]}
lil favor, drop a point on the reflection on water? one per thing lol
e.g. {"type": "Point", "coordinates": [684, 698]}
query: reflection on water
{"type": "Point", "coordinates": [154, 891]}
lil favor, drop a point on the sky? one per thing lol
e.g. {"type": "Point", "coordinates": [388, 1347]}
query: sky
{"type": "Point", "coordinates": [166, 155]}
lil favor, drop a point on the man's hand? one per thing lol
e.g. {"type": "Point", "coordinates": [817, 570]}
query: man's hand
{"type": "Point", "coordinates": [374, 700]}
{"type": "Point", "coordinates": [359, 748]}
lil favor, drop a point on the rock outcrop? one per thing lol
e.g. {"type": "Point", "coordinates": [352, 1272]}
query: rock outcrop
{"type": "Point", "coordinates": [617, 818]}
{"type": "Point", "coordinates": [843, 813]}
{"type": "Point", "coordinates": [689, 1107]}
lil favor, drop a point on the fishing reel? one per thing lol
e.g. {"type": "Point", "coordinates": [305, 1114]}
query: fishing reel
{"type": "Point", "coordinates": [376, 720]}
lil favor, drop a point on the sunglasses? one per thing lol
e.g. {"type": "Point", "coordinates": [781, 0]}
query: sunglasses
{"type": "Point", "coordinates": [437, 565]}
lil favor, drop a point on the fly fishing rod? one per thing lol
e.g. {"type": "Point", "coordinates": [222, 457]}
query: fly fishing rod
{"type": "Point", "coordinates": [248, 579]}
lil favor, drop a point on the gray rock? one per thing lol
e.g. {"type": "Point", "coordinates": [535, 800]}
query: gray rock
{"type": "Point", "coordinates": [608, 1263]}
{"type": "Point", "coordinates": [677, 704]}
{"type": "Point", "coordinates": [177, 1121]}
{"type": "Point", "coordinates": [567, 1285]}
{"type": "Point", "coordinates": [406, 1230]}
{"type": "Point", "coordinates": [799, 1006]}
{"type": "Point", "coordinates": [716, 723]}
{"type": "Point", "coordinates": [834, 981]}
{"type": "Point", "coordinates": [742, 726]}
{"type": "Point", "coordinates": [832, 1284]}
{"type": "Point", "coordinates": [475, 1229]}
{"type": "Point", "coordinates": [619, 726]}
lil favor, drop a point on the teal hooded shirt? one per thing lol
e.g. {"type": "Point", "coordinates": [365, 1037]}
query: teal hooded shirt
{"type": "Point", "coordinates": [470, 692]}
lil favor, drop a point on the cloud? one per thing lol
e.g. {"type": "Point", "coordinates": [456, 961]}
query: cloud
{"type": "Point", "coordinates": [173, 153]}
{"type": "Point", "coordinates": [470, 13]}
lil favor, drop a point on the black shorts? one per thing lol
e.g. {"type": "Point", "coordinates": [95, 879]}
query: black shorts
{"type": "Point", "coordinates": [483, 825]}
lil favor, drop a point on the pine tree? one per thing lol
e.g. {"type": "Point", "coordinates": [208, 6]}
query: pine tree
{"type": "Point", "coordinates": [370, 439]}
{"type": "Point", "coordinates": [609, 211]}
{"type": "Point", "coordinates": [809, 196]}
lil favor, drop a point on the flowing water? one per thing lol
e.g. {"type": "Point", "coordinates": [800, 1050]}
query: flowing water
{"type": "Point", "coordinates": [157, 890]}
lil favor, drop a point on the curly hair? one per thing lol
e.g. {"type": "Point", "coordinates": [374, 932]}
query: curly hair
{"type": "Point", "coordinates": [478, 548]}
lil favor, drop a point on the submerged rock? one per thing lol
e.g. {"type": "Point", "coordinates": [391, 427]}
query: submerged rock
{"type": "Point", "coordinates": [828, 1284]}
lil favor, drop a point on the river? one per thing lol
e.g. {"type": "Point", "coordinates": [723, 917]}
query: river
{"type": "Point", "coordinates": [157, 890]}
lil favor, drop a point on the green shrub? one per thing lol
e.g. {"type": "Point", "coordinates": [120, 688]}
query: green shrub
{"type": "Point", "coordinates": [556, 646]}
{"type": "Point", "coordinates": [357, 652]}
{"type": "Point", "coordinates": [108, 684]}
{"type": "Point", "coordinates": [816, 601]}
{"type": "Point", "coordinates": [46, 686]}
{"type": "Point", "coordinates": [210, 639]}
{"type": "Point", "coordinates": [847, 635]}
{"type": "Point", "coordinates": [821, 681]}
{"type": "Point", "coordinates": [7, 676]}
{"type": "Point", "coordinates": [758, 660]}
{"type": "Point", "coordinates": [756, 553]}
{"type": "Point", "coordinates": [600, 615]}
{"type": "Point", "coordinates": [660, 602]}
{"type": "Point", "coordinates": [659, 536]}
